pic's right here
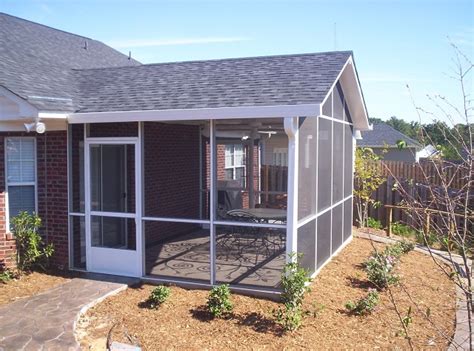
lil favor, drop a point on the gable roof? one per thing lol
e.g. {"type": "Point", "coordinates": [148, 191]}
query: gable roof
{"type": "Point", "coordinates": [382, 135]}
{"type": "Point", "coordinates": [36, 61]}
{"type": "Point", "coordinates": [54, 71]}
{"type": "Point", "coordinates": [253, 81]}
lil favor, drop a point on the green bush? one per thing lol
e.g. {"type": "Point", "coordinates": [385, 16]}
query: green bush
{"type": "Point", "coordinates": [404, 230]}
{"type": "Point", "coordinates": [31, 250]}
{"type": "Point", "coordinates": [218, 302]}
{"type": "Point", "coordinates": [431, 239]}
{"type": "Point", "coordinates": [295, 283]}
{"type": "Point", "coordinates": [379, 268]}
{"type": "Point", "coordinates": [365, 305]}
{"type": "Point", "coordinates": [399, 248]}
{"type": "Point", "coordinates": [158, 296]}
{"type": "Point", "coordinates": [374, 223]}
{"type": "Point", "coordinates": [6, 275]}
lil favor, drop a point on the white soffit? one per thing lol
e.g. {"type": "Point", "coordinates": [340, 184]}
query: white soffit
{"type": "Point", "coordinates": [196, 114]}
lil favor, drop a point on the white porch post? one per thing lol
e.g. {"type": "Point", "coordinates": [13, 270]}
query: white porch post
{"type": "Point", "coordinates": [291, 129]}
{"type": "Point", "coordinates": [213, 198]}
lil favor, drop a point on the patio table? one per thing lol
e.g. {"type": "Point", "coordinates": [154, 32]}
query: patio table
{"type": "Point", "coordinates": [260, 214]}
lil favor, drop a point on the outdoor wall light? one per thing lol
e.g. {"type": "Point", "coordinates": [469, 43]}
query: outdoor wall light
{"type": "Point", "coordinates": [38, 126]}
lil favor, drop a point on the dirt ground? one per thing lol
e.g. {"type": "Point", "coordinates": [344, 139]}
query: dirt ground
{"type": "Point", "coordinates": [181, 322]}
{"type": "Point", "coordinates": [28, 285]}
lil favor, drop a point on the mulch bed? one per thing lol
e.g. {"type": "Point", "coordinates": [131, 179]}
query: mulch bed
{"type": "Point", "coordinates": [29, 285]}
{"type": "Point", "coordinates": [181, 323]}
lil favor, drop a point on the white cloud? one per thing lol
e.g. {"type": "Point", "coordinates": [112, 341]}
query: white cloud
{"type": "Point", "coordinates": [137, 43]}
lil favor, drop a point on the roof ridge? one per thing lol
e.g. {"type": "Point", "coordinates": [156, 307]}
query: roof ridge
{"type": "Point", "coordinates": [224, 59]}
{"type": "Point", "coordinates": [46, 26]}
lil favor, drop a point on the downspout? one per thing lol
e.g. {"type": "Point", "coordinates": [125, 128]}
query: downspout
{"type": "Point", "coordinates": [291, 129]}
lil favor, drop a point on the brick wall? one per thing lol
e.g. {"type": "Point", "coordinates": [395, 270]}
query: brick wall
{"type": "Point", "coordinates": [51, 150]}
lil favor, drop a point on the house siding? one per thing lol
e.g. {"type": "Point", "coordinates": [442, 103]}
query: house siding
{"type": "Point", "coordinates": [51, 152]}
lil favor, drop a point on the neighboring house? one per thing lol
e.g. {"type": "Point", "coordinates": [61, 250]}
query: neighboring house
{"type": "Point", "coordinates": [199, 172]}
{"type": "Point", "coordinates": [384, 137]}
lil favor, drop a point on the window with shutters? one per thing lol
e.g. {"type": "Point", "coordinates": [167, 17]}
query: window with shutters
{"type": "Point", "coordinates": [20, 171]}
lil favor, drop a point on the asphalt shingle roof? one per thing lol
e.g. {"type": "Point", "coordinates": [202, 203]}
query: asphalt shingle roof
{"type": "Point", "coordinates": [54, 72]}
{"type": "Point", "coordinates": [254, 81]}
{"type": "Point", "coordinates": [36, 61]}
{"type": "Point", "coordinates": [382, 135]}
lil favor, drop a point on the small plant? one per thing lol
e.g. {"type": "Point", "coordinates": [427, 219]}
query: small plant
{"type": "Point", "coordinates": [31, 250]}
{"type": "Point", "coordinates": [398, 249]}
{"type": "Point", "coordinates": [218, 302]}
{"type": "Point", "coordinates": [374, 223]}
{"type": "Point", "coordinates": [403, 230]}
{"type": "Point", "coordinates": [379, 268]}
{"type": "Point", "coordinates": [6, 275]}
{"type": "Point", "coordinates": [365, 305]}
{"type": "Point", "coordinates": [407, 319]}
{"type": "Point", "coordinates": [158, 296]}
{"type": "Point", "coordinates": [295, 283]}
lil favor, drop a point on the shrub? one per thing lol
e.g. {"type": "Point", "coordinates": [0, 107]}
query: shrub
{"type": "Point", "coordinates": [379, 268]}
{"type": "Point", "coordinates": [403, 230]}
{"type": "Point", "coordinates": [398, 249]}
{"type": "Point", "coordinates": [6, 275]}
{"type": "Point", "coordinates": [218, 302]}
{"type": "Point", "coordinates": [365, 305]}
{"type": "Point", "coordinates": [158, 296]}
{"type": "Point", "coordinates": [374, 223]}
{"type": "Point", "coordinates": [31, 250]}
{"type": "Point", "coordinates": [294, 281]}
{"type": "Point", "coordinates": [431, 239]}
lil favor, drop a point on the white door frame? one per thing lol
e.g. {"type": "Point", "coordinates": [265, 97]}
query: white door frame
{"type": "Point", "coordinates": [101, 259]}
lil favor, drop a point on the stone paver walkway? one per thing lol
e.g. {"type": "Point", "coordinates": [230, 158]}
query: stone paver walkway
{"type": "Point", "coordinates": [46, 321]}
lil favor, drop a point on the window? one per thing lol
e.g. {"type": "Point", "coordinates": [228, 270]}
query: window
{"type": "Point", "coordinates": [21, 175]}
{"type": "Point", "coordinates": [235, 163]}
{"type": "Point", "coordinates": [280, 156]}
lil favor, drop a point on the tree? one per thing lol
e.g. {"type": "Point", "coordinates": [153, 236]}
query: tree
{"type": "Point", "coordinates": [453, 208]}
{"type": "Point", "coordinates": [367, 178]}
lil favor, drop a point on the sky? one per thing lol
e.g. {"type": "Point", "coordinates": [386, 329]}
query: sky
{"type": "Point", "coordinates": [395, 43]}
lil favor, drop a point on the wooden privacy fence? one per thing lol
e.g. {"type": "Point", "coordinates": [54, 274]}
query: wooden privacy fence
{"type": "Point", "coordinates": [274, 185]}
{"type": "Point", "coordinates": [426, 171]}
{"type": "Point", "coordinates": [415, 179]}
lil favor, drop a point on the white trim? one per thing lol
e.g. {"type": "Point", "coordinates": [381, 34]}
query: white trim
{"type": "Point", "coordinates": [113, 214]}
{"type": "Point", "coordinates": [334, 119]}
{"type": "Point", "coordinates": [76, 214]}
{"type": "Point", "coordinates": [291, 125]}
{"type": "Point", "coordinates": [53, 115]}
{"type": "Point", "coordinates": [360, 118]}
{"type": "Point", "coordinates": [175, 220]}
{"type": "Point", "coordinates": [196, 114]}
{"type": "Point", "coordinates": [213, 200]}
{"type": "Point", "coordinates": [310, 218]}
{"type": "Point", "coordinates": [8, 184]}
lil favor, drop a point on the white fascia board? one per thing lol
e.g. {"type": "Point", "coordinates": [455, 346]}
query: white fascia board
{"type": "Point", "coordinates": [196, 114]}
{"type": "Point", "coordinates": [353, 93]}
{"type": "Point", "coordinates": [53, 115]}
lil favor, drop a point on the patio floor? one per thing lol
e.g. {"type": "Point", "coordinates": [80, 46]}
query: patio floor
{"type": "Point", "coordinates": [242, 257]}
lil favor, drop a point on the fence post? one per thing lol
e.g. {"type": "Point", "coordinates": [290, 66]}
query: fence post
{"type": "Point", "coordinates": [389, 221]}
{"type": "Point", "coordinates": [427, 224]}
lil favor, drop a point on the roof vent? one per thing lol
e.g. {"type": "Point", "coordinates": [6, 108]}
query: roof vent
{"type": "Point", "coordinates": [85, 45]}
{"type": "Point", "coordinates": [129, 55]}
